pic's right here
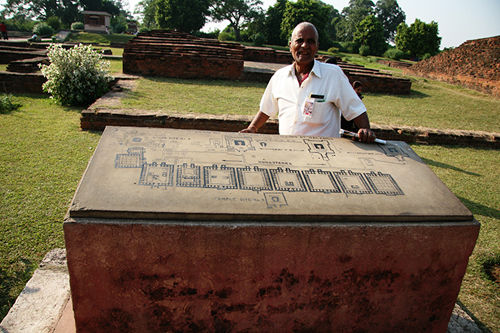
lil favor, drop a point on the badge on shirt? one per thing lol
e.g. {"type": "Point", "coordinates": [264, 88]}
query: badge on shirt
{"type": "Point", "coordinates": [308, 108]}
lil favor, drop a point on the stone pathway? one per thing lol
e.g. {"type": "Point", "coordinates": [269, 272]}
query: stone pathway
{"type": "Point", "coordinates": [44, 306]}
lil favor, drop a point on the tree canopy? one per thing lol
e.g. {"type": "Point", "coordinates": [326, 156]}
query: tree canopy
{"type": "Point", "coordinates": [66, 10]}
{"type": "Point", "coordinates": [370, 33]}
{"type": "Point", "coordinates": [314, 11]}
{"type": "Point", "coordinates": [237, 12]}
{"type": "Point", "coordinates": [351, 15]}
{"type": "Point", "coordinates": [272, 23]}
{"type": "Point", "coordinates": [181, 15]}
{"type": "Point", "coordinates": [419, 38]}
{"type": "Point", "coordinates": [390, 15]}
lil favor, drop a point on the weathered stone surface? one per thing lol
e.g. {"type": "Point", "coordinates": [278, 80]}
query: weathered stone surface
{"type": "Point", "coordinates": [357, 181]}
{"type": "Point", "coordinates": [40, 304]}
{"type": "Point", "coordinates": [140, 276]}
{"type": "Point", "coordinates": [187, 230]}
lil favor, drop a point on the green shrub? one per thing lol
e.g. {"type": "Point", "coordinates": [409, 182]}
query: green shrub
{"type": "Point", "coordinates": [395, 54]}
{"type": "Point", "coordinates": [227, 36]}
{"type": "Point", "coordinates": [349, 47]}
{"type": "Point", "coordinates": [426, 56]}
{"type": "Point", "coordinates": [333, 50]}
{"type": "Point", "coordinates": [211, 34]}
{"type": "Point", "coordinates": [55, 23]}
{"type": "Point", "coordinates": [77, 76]}
{"type": "Point", "coordinates": [118, 24]}
{"type": "Point", "coordinates": [259, 39]}
{"type": "Point", "coordinates": [6, 104]}
{"type": "Point", "coordinates": [43, 29]}
{"type": "Point", "coordinates": [364, 50]}
{"type": "Point", "coordinates": [77, 26]}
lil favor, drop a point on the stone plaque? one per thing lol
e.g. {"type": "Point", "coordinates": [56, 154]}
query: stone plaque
{"type": "Point", "coordinates": [199, 175]}
{"type": "Point", "coordinates": [192, 231]}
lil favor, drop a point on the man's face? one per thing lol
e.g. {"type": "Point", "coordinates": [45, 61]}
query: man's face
{"type": "Point", "coordinates": [304, 45]}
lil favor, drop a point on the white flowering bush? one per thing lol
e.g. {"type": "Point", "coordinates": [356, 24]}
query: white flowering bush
{"type": "Point", "coordinates": [77, 76]}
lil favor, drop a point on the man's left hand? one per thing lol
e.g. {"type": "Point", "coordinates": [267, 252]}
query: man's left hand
{"type": "Point", "coordinates": [366, 135]}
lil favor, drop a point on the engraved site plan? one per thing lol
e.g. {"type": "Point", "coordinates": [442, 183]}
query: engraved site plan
{"type": "Point", "coordinates": [186, 174]}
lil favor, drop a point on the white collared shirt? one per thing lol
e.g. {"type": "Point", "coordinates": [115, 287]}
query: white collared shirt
{"type": "Point", "coordinates": [331, 94]}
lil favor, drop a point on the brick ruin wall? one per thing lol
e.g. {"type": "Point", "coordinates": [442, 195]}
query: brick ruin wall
{"type": "Point", "coordinates": [173, 54]}
{"type": "Point", "coordinates": [266, 54]}
{"type": "Point", "coordinates": [30, 83]}
{"type": "Point", "coordinates": [98, 119]}
{"type": "Point", "coordinates": [474, 64]}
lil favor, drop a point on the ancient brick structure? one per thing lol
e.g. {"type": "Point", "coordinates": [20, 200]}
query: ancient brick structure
{"type": "Point", "coordinates": [174, 54]}
{"type": "Point", "coordinates": [30, 83]}
{"type": "Point", "coordinates": [376, 81]}
{"type": "Point", "coordinates": [266, 54]}
{"type": "Point", "coordinates": [474, 64]}
{"type": "Point", "coordinates": [13, 53]}
{"type": "Point", "coordinates": [394, 63]}
{"type": "Point", "coordinates": [27, 65]}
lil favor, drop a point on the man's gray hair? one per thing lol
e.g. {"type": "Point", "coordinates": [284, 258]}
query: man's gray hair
{"type": "Point", "coordinates": [306, 24]}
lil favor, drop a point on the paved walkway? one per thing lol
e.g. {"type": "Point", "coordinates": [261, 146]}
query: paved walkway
{"type": "Point", "coordinates": [44, 306]}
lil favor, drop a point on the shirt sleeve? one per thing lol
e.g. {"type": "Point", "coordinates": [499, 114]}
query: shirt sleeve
{"type": "Point", "coordinates": [268, 104]}
{"type": "Point", "coordinates": [349, 103]}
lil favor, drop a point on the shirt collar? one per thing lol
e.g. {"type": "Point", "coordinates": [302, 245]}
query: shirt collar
{"type": "Point", "coordinates": [316, 70]}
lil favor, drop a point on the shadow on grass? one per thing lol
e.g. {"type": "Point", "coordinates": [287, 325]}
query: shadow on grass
{"type": "Point", "coordinates": [448, 166]}
{"type": "Point", "coordinates": [12, 280]}
{"type": "Point", "coordinates": [480, 209]}
{"type": "Point", "coordinates": [476, 320]}
{"type": "Point", "coordinates": [414, 94]}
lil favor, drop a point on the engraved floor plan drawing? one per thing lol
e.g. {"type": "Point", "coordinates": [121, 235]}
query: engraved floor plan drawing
{"type": "Point", "coordinates": [179, 170]}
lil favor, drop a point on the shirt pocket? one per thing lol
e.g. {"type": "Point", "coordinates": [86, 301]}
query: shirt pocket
{"type": "Point", "coordinates": [321, 114]}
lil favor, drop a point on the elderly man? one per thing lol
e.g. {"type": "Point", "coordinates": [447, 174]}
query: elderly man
{"type": "Point", "coordinates": [309, 96]}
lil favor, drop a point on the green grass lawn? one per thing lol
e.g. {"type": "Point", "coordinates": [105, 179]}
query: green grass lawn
{"type": "Point", "coordinates": [98, 39]}
{"type": "Point", "coordinates": [195, 96]}
{"type": "Point", "coordinates": [42, 157]}
{"type": "Point", "coordinates": [44, 153]}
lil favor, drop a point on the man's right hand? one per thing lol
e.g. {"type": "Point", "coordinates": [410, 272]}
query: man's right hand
{"type": "Point", "coordinates": [258, 121]}
{"type": "Point", "coordinates": [249, 129]}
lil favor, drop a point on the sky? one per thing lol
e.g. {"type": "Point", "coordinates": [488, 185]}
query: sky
{"type": "Point", "coordinates": [458, 20]}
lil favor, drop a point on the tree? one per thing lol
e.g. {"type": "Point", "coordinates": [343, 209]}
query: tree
{"type": "Point", "coordinates": [181, 15]}
{"type": "Point", "coordinates": [113, 7]}
{"type": "Point", "coordinates": [272, 23]}
{"type": "Point", "coordinates": [147, 9]}
{"type": "Point", "coordinates": [418, 39]}
{"type": "Point", "coordinates": [237, 12]}
{"type": "Point", "coordinates": [66, 10]}
{"type": "Point", "coordinates": [314, 11]}
{"type": "Point", "coordinates": [390, 15]}
{"type": "Point", "coordinates": [370, 33]}
{"type": "Point", "coordinates": [351, 16]}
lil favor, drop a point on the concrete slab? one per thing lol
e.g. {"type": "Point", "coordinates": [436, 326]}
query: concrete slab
{"type": "Point", "coordinates": [160, 173]}
{"type": "Point", "coordinates": [40, 304]}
